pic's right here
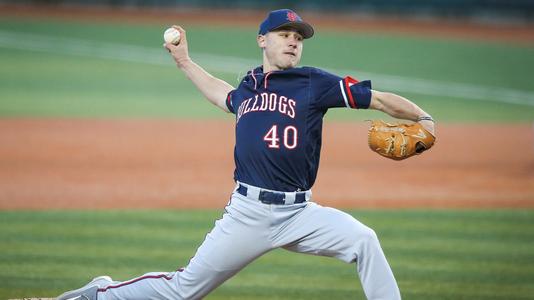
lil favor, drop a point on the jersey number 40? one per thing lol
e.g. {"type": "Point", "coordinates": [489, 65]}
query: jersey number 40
{"type": "Point", "coordinates": [289, 136]}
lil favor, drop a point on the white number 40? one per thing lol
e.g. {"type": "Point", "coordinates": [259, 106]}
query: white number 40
{"type": "Point", "coordinates": [289, 136]}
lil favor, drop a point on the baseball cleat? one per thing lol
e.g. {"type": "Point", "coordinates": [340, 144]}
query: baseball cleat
{"type": "Point", "coordinates": [88, 291]}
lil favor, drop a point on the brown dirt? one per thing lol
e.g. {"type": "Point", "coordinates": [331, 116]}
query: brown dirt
{"type": "Point", "coordinates": [101, 164]}
{"type": "Point", "coordinates": [456, 29]}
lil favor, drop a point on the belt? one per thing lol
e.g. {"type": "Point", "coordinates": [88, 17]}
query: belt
{"type": "Point", "coordinates": [272, 197]}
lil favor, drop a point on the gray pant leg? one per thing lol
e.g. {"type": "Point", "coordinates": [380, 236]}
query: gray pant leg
{"type": "Point", "coordinates": [237, 239]}
{"type": "Point", "coordinates": [329, 232]}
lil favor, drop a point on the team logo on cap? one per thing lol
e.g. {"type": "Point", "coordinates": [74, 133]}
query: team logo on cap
{"type": "Point", "coordinates": [291, 16]}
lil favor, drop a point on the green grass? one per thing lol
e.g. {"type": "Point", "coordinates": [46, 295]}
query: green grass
{"type": "Point", "coordinates": [56, 84]}
{"type": "Point", "coordinates": [450, 254]}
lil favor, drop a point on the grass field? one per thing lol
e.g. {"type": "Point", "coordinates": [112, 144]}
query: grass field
{"type": "Point", "coordinates": [107, 70]}
{"type": "Point", "coordinates": [435, 254]}
{"type": "Point", "coordinates": [86, 70]}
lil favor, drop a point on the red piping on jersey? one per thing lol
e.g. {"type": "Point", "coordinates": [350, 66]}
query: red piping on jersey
{"type": "Point", "coordinates": [136, 280]}
{"type": "Point", "coordinates": [255, 81]}
{"type": "Point", "coordinates": [228, 102]}
{"type": "Point", "coordinates": [266, 75]}
{"type": "Point", "coordinates": [350, 80]}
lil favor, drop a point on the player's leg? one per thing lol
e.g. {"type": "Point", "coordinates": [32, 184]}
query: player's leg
{"type": "Point", "coordinates": [236, 240]}
{"type": "Point", "coordinates": [330, 232]}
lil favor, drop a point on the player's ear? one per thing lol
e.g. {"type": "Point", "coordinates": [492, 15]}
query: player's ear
{"type": "Point", "coordinates": [261, 41]}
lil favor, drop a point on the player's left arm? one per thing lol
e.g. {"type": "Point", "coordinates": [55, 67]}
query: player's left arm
{"type": "Point", "coordinates": [400, 108]}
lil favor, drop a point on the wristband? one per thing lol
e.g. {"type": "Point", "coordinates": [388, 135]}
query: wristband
{"type": "Point", "coordinates": [425, 118]}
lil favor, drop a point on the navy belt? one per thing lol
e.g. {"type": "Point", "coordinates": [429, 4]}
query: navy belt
{"type": "Point", "coordinates": [270, 197]}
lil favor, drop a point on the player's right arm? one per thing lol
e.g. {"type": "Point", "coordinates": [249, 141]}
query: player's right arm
{"type": "Point", "coordinates": [213, 88]}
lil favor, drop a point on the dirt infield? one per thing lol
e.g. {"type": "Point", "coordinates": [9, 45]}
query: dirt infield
{"type": "Point", "coordinates": [100, 164]}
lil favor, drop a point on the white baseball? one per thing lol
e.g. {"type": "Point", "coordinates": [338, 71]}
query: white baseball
{"type": "Point", "coordinates": [172, 36]}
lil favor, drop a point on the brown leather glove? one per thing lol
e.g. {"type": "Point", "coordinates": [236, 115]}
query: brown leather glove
{"type": "Point", "coordinates": [399, 141]}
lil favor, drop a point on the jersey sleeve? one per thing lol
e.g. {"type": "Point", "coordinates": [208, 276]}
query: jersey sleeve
{"type": "Point", "coordinates": [229, 103]}
{"type": "Point", "coordinates": [330, 90]}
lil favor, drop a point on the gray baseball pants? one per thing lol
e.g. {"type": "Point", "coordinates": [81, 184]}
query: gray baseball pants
{"type": "Point", "coordinates": [250, 228]}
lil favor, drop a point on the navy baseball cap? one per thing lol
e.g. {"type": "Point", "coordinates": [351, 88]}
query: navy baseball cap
{"type": "Point", "coordinates": [285, 18]}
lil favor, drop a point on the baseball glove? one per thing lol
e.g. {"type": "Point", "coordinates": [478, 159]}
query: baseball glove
{"type": "Point", "coordinates": [399, 141]}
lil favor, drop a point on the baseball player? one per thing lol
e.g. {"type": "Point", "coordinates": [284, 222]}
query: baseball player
{"type": "Point", "coordinates": [279, 111]}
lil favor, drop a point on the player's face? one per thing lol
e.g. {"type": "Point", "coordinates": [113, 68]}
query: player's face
{"type": "Point", "coordinates": [282, 49]}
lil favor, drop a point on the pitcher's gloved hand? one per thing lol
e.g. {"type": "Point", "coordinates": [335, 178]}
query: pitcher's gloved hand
{"type": "Point", "coordinates": [399, 141]}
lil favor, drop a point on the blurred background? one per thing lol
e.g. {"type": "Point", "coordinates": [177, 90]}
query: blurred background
{"type": "Point", "coordinates": [491, 11]}
{"type": "Point", "coordinates": [101, 134]}
{"type": "Point", "coordinates": [446, 51]}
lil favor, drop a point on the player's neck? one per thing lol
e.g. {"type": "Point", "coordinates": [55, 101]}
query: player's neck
{"type": "Point", "coordinates": [270, 68]}
{"type": "Point", "coordinates": [267, 67]}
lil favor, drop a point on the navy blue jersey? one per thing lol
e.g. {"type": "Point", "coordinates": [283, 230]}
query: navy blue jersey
{"type": "Point", "coordinates": [279, 117]}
